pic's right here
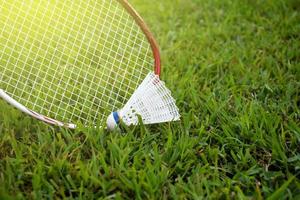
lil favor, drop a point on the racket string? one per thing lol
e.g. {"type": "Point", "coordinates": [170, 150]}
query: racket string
{"type": "Point", "coordinates": [76, 58]}
{"type": "Point", "coordinates": [108, 32]}
{"type": "Point", "coordinates": [125, 58]}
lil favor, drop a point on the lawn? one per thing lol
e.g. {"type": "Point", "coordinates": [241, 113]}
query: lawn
{"type": "Point", "coordinates": [234, 68]}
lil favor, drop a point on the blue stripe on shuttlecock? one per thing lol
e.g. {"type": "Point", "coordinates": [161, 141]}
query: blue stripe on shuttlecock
{"type": "Point", "coordinates": [116, 117]}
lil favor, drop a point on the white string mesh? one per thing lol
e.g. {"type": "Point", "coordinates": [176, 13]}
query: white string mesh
{"type": "Point", "coordinates": [152, 100]}
{"type": "Point", "coordinates": [73, 59]}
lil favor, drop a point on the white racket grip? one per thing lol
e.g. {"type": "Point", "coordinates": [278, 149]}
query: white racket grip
{"type": "Point", "coordinates": [38, 116]}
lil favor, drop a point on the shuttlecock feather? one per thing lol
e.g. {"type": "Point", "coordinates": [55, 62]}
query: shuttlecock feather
{"type": "Point", "coordinates": [152, 101]}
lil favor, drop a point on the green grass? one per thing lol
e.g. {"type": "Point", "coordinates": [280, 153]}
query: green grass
{"type": "Point", "coordinates": [234, 68]}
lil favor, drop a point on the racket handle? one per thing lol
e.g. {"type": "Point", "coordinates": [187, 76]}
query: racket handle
{"type": "Point", "coordinates": [22, 108]}
{"type": "Point", "coordinates": [13, 102]}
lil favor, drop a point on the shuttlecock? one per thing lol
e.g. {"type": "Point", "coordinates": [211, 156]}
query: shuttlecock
{"type": "Point", "coordinates": [152, 101]}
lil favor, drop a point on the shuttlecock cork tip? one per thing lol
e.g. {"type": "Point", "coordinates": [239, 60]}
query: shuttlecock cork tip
{"type": "Point", "coordinates": [112, 121]}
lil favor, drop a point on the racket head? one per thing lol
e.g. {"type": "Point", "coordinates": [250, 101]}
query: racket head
{"type": "Point", "coordinates": [72, 62]}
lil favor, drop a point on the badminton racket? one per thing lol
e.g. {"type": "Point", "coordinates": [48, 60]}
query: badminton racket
{"type": "Point", "coordinates": [73, 61]}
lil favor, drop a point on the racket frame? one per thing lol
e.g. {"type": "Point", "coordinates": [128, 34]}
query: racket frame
{"type": "Point", "coordinates": [157, 69]}
{"type": "Point", "coordinates": [154, 46]}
